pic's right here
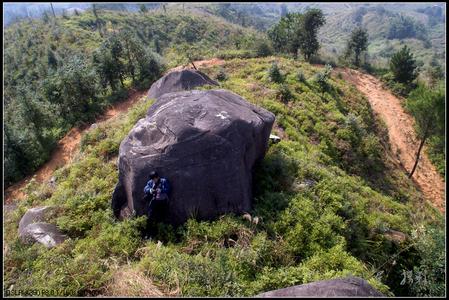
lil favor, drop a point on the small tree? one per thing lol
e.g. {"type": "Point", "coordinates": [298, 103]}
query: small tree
{"type": "Point", "coordinates": [403, 66]}
{"type": "Point", "coordinates": [143, 8]}
{"type": "Point", "coordinates": [428, 108]}
{"type": "Point", "coordinates": [323, 77]}
{"type": "Point", "coordinates": [357, 44]}
{"type": "Point", "coordinates": [275, 74]}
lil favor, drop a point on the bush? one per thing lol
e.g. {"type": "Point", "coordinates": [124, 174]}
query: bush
{"type": "Point", "coordinates": [283, 93]}
{"type": "Point", "coordinates": [322, 78]}
{"type": "Point", "coordinates": [275, 74]}
{"type": "Point", "coordinates": [300, 76]}
{"type": "Point", "coordinates": [222, 76]}
{"type": "Point", "coordinates": [263, 48]}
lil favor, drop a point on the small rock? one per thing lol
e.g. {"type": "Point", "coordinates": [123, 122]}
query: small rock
{"type": "Point", "coordinates": [93, 126]}
{"type": "Point", "coordinates": [256, 220]}
{"type": "Point", "coordinates": [247, 217]}
{"type": "Point", "coordinates": [274, 139]}
{"type": "Point", "coordinates": [44, 233]}
{"type": "Point", "coordinates": [395, 236]}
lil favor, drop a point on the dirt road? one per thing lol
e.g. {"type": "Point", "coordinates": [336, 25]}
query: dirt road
{"type": "Point", "coordinates": [403, 140]}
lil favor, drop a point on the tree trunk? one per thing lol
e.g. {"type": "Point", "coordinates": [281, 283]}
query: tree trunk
{"type": "Point", "coordinates": [54, 15]}
{"type": "Point", "coordinates": [193, 65]}
{"type": "Point", "coordinates": [417, 156]}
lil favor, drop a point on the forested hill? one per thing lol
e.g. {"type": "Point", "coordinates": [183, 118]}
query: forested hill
{"type": "Point", "coordinates": [65, 70]}
{"type": "Point", "coordinates": [389, 25]}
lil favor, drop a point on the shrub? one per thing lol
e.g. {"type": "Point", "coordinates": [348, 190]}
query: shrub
{"type": "Point", "coordinates": [300, 76]}
{"type": "Point", "coordinates": [263, 48]}
{"type": "Point", "coordinates": [275, 74]}
{"type": "Point", "coordinates": [222, 76]}
{"type": "Point", "coordinates": [322, 78]}
{"type": "Point", "coordinates": [283, 93]}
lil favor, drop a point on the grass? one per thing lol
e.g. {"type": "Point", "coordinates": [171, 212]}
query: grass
{"type": "Point", "coordinates": [336, 226]}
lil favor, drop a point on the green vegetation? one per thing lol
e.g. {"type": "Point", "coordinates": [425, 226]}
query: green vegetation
{"type": "Point", "coordinates": [327, 197]}
{"type": "Point", "coordinates": [357, 44]}
{"type": "Point", "coordinates": [298, 32]}
{"type": "Point", "coordinates": [428, 108]}
{"type": "Point", "coordinates": [403, 66]}
{"type": "Point", "coordinates": [60, 72]}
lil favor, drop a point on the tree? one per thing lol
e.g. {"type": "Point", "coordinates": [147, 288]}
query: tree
{"type": "Point", "coordinates": [283, 35]}
{"type": "Point", "coordinates": [357, 43]}
{"type": "Point", "coordinates": [143, 8]}
{"type": "Point", "coordinates": [53, 10]}
{"type": "Point", "coordinates": [297, 31]}
{"type": "Point", "coordinates": [72, 88]}
{"type": "Point", "coordinates": [284, 10]}
{"type": "Point", "coordinates": [428, 108]}
{"type": "Point", "coordinates": [311, 22]}
{"type": "Point", "coordinates": [435, 71]}
{"type": "Point", "coordinates": [403, 66]}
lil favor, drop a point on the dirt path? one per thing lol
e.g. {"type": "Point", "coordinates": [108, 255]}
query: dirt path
{"type": "Point", "coordinates": [67, 147]}
{"type": "Point", "coordinates": [403, 140]}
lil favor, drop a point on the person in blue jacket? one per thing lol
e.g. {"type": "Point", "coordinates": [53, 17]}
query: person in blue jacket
{"type": "Point", "coordinates": [156, 193]}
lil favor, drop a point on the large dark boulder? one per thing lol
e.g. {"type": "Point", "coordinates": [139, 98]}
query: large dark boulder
{"type": "Point", "coordinates": [177, 81]}
{"type": "Point", "coordinates": [344, 287]}
{"type": "Point", "coordinates": [205, 143]}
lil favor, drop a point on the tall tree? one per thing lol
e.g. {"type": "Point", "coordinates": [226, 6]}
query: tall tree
{"type": "Point", "coordinates": [53, 10]}
{"type": "Point", "coordinates": [428, 108]}
{"type": "Point", "coordinates": [312, 20]}
{"type": "Point", "coordinates": [357, 43]}
{"type": "Point", "coordinates": [403, 66]}
{"type": "Point", "coordinates": [143, 8]}
{"type": "Point", "coordinates": [297, 31]}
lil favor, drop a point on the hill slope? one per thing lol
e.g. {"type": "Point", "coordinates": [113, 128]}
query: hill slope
{"type": "Point", "coordinates": [41, 56]}
{"type": "Point", "coordinates": [330, 198]}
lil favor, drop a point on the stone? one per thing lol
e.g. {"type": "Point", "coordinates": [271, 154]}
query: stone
{"type": "Point", "coordinates": [274, 139]}
{"type": "Point", "coordinates": [205, 143]}
{"type": "Point", "coordinates": [44, 233]}
{"type": "Point", "coordinates": [177, 81]}
{"type": "Point", "coordinates": [32, 227]}
{"type": "Point", "coordinates": [33, 215]}
{"type": "Point", "coordinates": [342, 287]}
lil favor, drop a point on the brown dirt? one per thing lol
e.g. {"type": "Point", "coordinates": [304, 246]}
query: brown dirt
{"type": "Point", "coordinates": [67, 147]}
{"type": "Point", "coordinates": [403, 140]}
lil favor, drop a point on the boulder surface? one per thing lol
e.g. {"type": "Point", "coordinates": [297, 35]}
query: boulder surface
{"type": "Point", "coordinates": [32, 228]}
{"type": "Point", "coordinates": [342, 287]}
{"type": "Point", "coordinates": [205, 143]}
{"type": "Point", "coordinates": [44, 233]}
{"type": "Point", "coordinates": [177, 81]}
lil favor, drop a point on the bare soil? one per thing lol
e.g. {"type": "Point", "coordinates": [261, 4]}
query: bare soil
{"type": "Point", "coordinates": [403, 140]}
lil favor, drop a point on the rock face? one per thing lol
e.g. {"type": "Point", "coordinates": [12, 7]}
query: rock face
{"type": "Point", "coordinates": [205, 143]}
{"type": "Point", "coordinates": [33, 229]}
{"type": "Point", "coordinates": [344, 287]}
{"type": "Point", "coordinates": [176, 81]}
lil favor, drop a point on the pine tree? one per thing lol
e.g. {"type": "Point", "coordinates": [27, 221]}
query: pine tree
{"type": "Point", "coordinates": [403, 66]}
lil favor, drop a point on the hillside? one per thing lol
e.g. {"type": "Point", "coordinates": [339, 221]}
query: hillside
{"type": "Point", "coordinates": [421, 28]}
{"type": "Point", "coordinates": [50, 65]}
{"type": "Point", "coordinates": [330, 198]}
